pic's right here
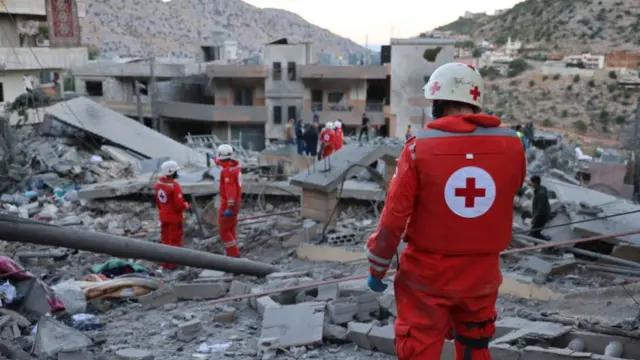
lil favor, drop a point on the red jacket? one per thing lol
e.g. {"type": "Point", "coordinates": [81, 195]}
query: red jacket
{"type": "Point", "coordinates": [339, 139]}
{"type": "Point", "coordinates": [455, 182]}
{"type": "Point", "coordinates": [230, 185]}
{"type": "Point", "coordinates": [169, 200]}
{"type": "Point", "coordinates": [327, 136]}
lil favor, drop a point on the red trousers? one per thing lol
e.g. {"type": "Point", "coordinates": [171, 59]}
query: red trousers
{"type": "Point", "coordinates": [228, 234]}
{"type": "Point", "coordinates": [171, 234]}
{"type": "Point", "coordinates": [425, 321]}
{"type": "Point", "coordinates": [326, 151]}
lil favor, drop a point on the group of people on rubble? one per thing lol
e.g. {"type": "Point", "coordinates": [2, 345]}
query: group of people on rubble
{"type": "Point", "coordinates": [312, 141]}
{"type": "Point", "coordinates": [526, 134]}
{"type": "Point", "coordinates": [450, 200]}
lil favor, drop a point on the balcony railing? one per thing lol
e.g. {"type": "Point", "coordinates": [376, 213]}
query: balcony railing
{"type": "Point", "coordinates": [316, 106]}
{"type": "Point", "coordinates": [374, 106]}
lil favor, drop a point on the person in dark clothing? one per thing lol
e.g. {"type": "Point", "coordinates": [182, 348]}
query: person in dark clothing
{"type": "Point", "coordinates": [364, 129]}
{"type": "Point", "coordinates": [310, 137]}
{"type": "Point", "coordinates": [299, 137]}
{"type": "Point", "coordinates": [541, 210]}
{"type": "Point", "coordinates": [529, 133]}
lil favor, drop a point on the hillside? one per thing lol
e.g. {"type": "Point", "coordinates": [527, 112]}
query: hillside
{"type": "Point", "coordinates": [465, 26]}
{"type": "Point", "coordinates": [135, 27]}
{"type": "Point", "coordinates": [594, 106]}
{"type": "Point", "coordinates": [570, 25]}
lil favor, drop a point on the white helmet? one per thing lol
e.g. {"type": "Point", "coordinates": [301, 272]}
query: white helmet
{"type": "Point", "coordinates": [225, 152]}
{"type": "Point", "coordinates": [169, 168]}
{"type": "Point", "coordinates": [329, 125]}
{"type": "Point", "coordinates": [456, 82]}
{"type": "Point", "coordinates": [338, 124]}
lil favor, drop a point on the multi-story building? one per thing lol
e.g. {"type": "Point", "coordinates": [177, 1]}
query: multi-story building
{"type": "Point", "coordinates": [28, 50]}
{"type": "Point", "coordinates": [252, 100]}
{"type": "Point", "coordinates": [589, 61]}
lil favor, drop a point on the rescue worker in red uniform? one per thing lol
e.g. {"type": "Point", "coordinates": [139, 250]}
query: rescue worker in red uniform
{"type": "Point", "coordinates": [171, 206]}
{"type": "Point", "coordinates": [339, 136]}
{"type": "Point", "coordinates": [327, 138]}
{"type": "Point", "coordinates": [230, 197]}
{"type": "Point", "coordinates": [451, 201]}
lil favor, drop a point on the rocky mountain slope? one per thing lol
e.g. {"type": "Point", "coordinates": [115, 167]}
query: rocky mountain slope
{"type": "Point", "coordinates": [594, 106]}
{"type": "Point", "coordinates": [135, 27]}
{"type": "Point", "coordinates": [567, 25]}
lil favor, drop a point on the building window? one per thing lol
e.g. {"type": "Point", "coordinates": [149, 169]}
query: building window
{"type": "Point", "coordinates": [243, 97]}
{"type": "Point", "coordinates": [291, 71]}
{"type": "Point", "coordinates": [335, 97]}
{"type": "Point", "coordinates": [292, 113]}
{"type": "Point", "coordinates": [94, 88]}
{"type": "Point", "coordinates": [277, 114]}
{"type": "Point", "coordinates": [277, 71]}
{"type": "Point", "coordinates": [1, 93]}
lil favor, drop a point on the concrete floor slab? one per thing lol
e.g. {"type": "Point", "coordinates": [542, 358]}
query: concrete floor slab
{"type": "Point", "coordinates": [294, 325]}
{"type": "Point", "coordinates": [87, 115]}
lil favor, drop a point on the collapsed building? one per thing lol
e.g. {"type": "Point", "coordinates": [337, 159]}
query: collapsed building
{"type": "Point", "coordinates": [89, 168]}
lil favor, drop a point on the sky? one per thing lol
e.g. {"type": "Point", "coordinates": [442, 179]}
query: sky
{"type": "Point", "coordinates": [362, 19]}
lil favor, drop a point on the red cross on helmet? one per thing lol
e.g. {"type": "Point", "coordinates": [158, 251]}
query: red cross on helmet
{"type": "Point", "coordinates": [456, 82]}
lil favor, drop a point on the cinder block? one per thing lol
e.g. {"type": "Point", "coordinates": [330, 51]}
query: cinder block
{"type": "Point", "coordinates": [74, 355]}
{"type": "Point", "coordinates": [383, 339]}
{"type": "Point", "coordinates": [388, 302]}
{"type": "Point", "coordinates": [367, 305]}
{"type": "Point", "coordinates": [239, 288]}
{"type": "Point", "coordinates": [294, 325]}
{"type": "Point", "coordinates": [189, 330]}
{"type": "Point", "coordinates": [341, 311]}
{"type": "Point", "coordinates": [265, 302]}
{"type": "Point", "coordinates": [200, 291]}
{"type": "Point", "coordinates": [328, 292]}
{"type": "Point", "coordinates": [358, 334]}
{"type": "Point", "coordinates": [164, 295]}
{"type": "Point", "coordinates": [335, 332]}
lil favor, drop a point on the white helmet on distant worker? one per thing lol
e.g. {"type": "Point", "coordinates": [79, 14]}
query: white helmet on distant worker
{"type": "Point", "coordinates": [169, 168]}
{"type": "Point", "coordinates": [329, 125]}
{"type": "Point", "coordinates": [456, 82]}
{"type": "Point", "coordinates": [225, 152]}
{"type": "Point", "coordinates": [338, 124]}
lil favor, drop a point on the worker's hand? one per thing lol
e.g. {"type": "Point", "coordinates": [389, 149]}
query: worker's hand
{"type": "Point", "coordinates": [376, 284]}
{"type": "Point", "coordinates": [227, 213]}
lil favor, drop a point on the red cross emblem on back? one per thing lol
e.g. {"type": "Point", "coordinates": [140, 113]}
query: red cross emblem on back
{"type": "Point", "coordinates": [470, 193]}
{"type": "Point", "coordinates": [435, 88]}
{"type": "Point", "coordinates": [475, 92]}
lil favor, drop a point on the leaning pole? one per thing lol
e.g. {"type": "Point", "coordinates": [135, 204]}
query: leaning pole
{"type": "Point", "coordinates": [20, 230]}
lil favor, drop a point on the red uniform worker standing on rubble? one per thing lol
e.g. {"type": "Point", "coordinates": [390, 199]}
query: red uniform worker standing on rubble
{"type": "Point", "coordinates": [171, 205]}
{"type": "Point", "coordinates": [452, 196]}
{"type": "Point", "coordinates": [230, 197]}
{"type": "Point", "coordinates": [339, 136]}
{"type": "Point", "coordinates": [327, 138]}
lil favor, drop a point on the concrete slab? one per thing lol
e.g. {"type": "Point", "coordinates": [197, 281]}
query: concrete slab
{"type": "Point", "coordinates": [609, 204]}
{"type": "Point", "coordinates": [537, 330]}
{"type": "Point", "coordinates": [383, 339]}
{"type": "Point", "coordinates": [358, 333]}
{"type": "Point", "coordinates": [294, 325]}
{"type": "Point", "coordinates": [327, 174]}
{"type": "Point", "coordinates": [53, 337]}
{"type": "Point", "coordinates": [200, 291]}
{"type": "Point", "coordinates": [89, 116]}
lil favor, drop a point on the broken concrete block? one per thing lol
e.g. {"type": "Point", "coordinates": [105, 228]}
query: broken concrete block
{"type": "Point", "coordinates": [341, 311]}
{"type": "Point", "coordinates": [535, 353]}
{"type": "Point", "coordinates": [540, 267]}
{"type": "Point", "coordinates": [328, 292]}
{"type": "Point", "coordinates": [53, 337]}
{"type": "Point", "coordinates": [264, 302]}
{"type": "Point", "coordinates": [294, 325]}
{"type": "Point", "coordinates": [358, 334]}
{"type": "Point", "coordinates": [214, 276]}
{"type": "Point", "coordinates": [36, 297]}
{"type": "Point", "coordinates": [12, 351]}
{"type": "Point", "coordinates": [537, 330]}
{"type": "Point", "coordinates": [498, 352]}
{"type": "Point", "coordinates": [197, 291]}
{"type": "Point", "coordinates": [134, 354]}
{"type": "Point", "coordinates": [74, 355]}
{"type": "Point", "coordinates": [164, 295]}
{"type": "Point", "coordinates": [614, 349]}
{"type": "Point", "coordinates": [367, 304]}
{"type": "Point", "coordinates": [226, 314]}
{"type": "Point", "coordinates": [383, 339]}
{"type": "Point", "coordinates": [388, 302]}
{"type": "Point", "coordinates": [268, 347]}
{"type": "Point", "coordinates": [335, 332]}
{"type": "Point", "coordinates": [286, 297]}
{"type": "Point", "coordinates": [239, 288]}
{"type": "Point", "coordinates": [189, 330]}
